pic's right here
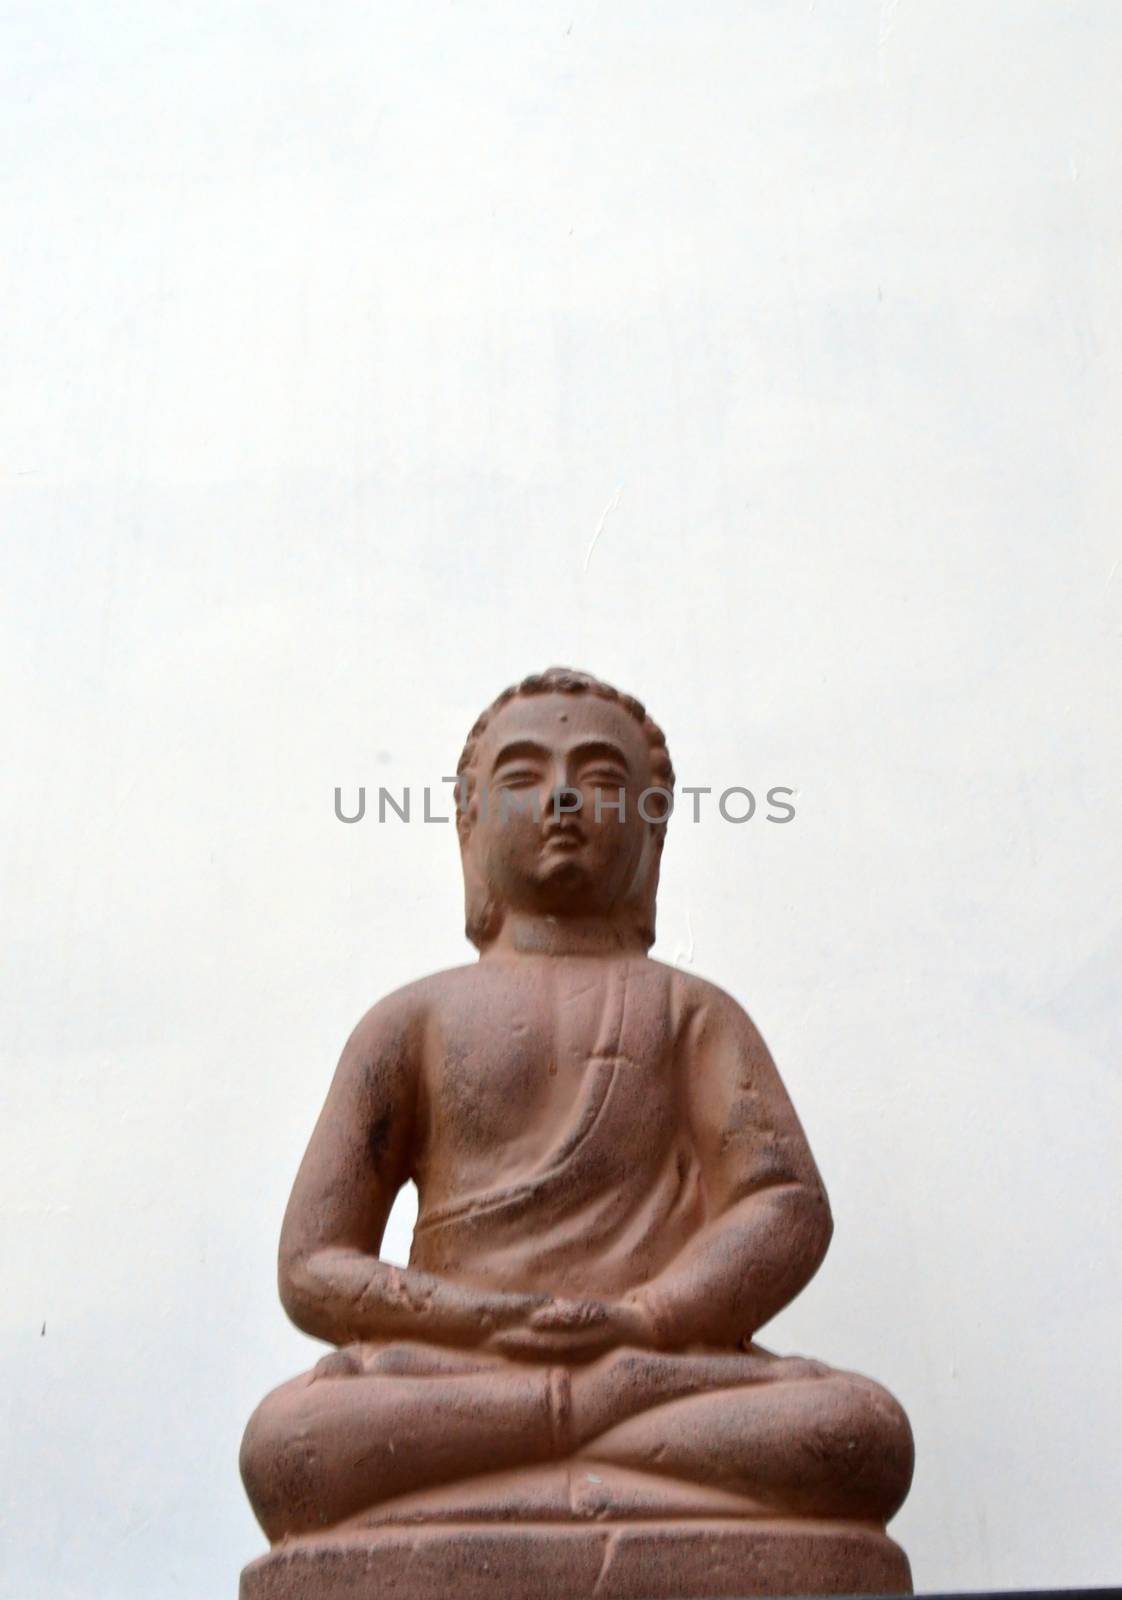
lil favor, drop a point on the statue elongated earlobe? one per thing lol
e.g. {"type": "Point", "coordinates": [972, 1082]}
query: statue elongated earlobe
{"type": "Point", "coordinates": [483, 912]}
{"type": "Point", "coordinates": [641, 901]}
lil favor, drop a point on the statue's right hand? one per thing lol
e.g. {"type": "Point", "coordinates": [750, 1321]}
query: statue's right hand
{"type": "Point", "coordinates": [500, 1312]}
{"type": "Point", "coordinates": [558, 1330]}
{"type": "Point", "coordinates": [569, 1316]}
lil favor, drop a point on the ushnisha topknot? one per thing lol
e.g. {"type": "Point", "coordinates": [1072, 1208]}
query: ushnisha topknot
{"type": "Point", "coordinates": [565, 680]}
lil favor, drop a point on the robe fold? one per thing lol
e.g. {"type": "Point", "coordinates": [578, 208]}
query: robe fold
{"type": "Point", "coordinates": [618, 1192]}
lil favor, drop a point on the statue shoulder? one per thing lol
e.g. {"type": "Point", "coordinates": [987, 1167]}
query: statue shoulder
{"type": "Point", "coordinates": [704, 1006]}
{"type": "Point", "coordinates": [397, 1019]}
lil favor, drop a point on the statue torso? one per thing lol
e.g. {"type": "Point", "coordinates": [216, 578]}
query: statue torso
{"type": "Point", "coordinates": [553, 1146]}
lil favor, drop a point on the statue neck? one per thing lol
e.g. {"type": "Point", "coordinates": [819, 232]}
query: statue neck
{"type": "Point", "coordinates": [533, 933]}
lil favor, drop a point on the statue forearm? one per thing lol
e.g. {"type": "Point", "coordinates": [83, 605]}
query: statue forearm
{"type": "Point", "coordinates": [745, 1266]}
{"type": "Point", "coordinates": [342, 1295]}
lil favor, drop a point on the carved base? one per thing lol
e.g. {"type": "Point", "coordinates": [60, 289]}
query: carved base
{"type": "Point", "coordinates": [679, 1560]}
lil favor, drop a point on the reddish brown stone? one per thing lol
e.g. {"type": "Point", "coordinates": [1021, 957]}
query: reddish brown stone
{"type": "Point", "coordinates": [614, 1561]}
{"type": "Point", "coordinates": [562, 1392]}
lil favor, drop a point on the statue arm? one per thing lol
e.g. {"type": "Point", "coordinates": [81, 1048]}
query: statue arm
{"type": "Point", "coordinates": [769, 1221]}
{"type": "Point", "coordinates": [332, 1283]}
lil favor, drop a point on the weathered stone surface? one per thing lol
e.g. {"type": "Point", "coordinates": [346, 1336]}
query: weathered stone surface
{"type": "Point", "coordinates": [562, 1392]}
{"type": "Point", "coordinates": [615, 1561]}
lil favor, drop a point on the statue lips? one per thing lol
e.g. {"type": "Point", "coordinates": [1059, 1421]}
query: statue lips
{"type": "Point", "coordinates": [563, 833]}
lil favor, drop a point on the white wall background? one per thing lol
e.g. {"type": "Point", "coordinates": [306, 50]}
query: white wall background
{"type": "Point", "coordinates": [332, 338]}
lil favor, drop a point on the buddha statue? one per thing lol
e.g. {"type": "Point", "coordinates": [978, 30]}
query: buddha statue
{"type": "Point", "coordinates": [562, 1393]}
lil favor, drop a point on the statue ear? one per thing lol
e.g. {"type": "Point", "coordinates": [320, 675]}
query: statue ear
{"type": "Point", "coordinates": [640, 902]}
{"type": "Point", "coordinates": [483, 913]}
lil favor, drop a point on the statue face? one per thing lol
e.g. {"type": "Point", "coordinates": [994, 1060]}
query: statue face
{"type": "Point", "coordinates": [575, 863]}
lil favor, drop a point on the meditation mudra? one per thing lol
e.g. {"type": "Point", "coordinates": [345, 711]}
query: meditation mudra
{"type": "Point", "coordinates": [561, 1393]}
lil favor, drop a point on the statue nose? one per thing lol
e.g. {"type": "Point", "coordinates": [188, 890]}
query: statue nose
{"type": "Point", "coordinates": [558, 781]}
{"type": "Point", "coordinates": [564, 800]}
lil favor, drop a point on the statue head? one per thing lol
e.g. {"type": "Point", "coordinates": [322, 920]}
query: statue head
{"type": "Point", "coordinates": [541, 821]}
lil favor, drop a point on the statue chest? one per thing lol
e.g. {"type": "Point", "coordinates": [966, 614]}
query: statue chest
{"type": "Point", "coordinates": [523, 1061]}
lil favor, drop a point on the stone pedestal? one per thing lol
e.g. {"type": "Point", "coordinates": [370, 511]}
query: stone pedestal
{"type": "Point", "coordinates": [667, 1560]}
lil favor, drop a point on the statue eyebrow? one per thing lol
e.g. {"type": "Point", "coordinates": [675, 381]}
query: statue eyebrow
{"type": "Point", "coordinates": [521, 748]}
{"type": "Point", "coordinates": [600, 747]}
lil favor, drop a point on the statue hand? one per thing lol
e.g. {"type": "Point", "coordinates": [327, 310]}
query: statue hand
{"type": "Point", "coordinates": [568, 1316]}
{"type": "Point", "coordinates": [559, 1330]}
{"type": "Point", "coordinates": [497, 1313]}
{"type": "Point", "coordinates": [574, 1330]}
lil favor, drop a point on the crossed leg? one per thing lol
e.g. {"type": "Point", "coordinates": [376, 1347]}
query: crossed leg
{"type": "Point", "coordinates": [803, 1442]}
{"type": "Point", "coordinates": [369, 1423]}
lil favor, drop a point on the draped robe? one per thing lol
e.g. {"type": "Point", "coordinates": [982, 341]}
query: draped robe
{"type": "Point", "coordinates": [615, 1191]}
{"type": "Point", "coordinates": [663, 1128]}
